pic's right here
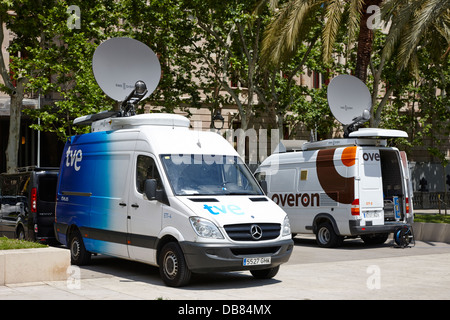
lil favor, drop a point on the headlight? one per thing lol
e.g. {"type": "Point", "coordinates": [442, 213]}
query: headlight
{"type": "Point", "coordinates": [286, 227]}
{"type": "Point", "coordinates": [205, 228]}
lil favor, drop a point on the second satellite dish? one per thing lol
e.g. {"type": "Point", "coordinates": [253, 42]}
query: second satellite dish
{"type": "Point", "coordinates": [119, 63]}
{"type": "Point", "coordinates": [348, 98]}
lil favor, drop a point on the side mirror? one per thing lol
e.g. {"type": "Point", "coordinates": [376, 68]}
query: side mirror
{"type": "Point", "coordinates": [151, 193]}
{"type": "Point", "coordinates": [150, 189]}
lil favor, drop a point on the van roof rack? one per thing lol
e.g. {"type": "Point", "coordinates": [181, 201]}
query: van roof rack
{"type": "Point", "coordinates": [362, 137]}
{"type": "Point", "coordinates": [289, 146]}
{"type": "Point", "coordinates": [335, 143]}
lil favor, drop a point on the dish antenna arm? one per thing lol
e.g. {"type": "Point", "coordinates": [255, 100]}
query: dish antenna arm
{"type": "Point", "coordinates": [127, 107]}
{"type": "Point", "coordinates": [357, 122]}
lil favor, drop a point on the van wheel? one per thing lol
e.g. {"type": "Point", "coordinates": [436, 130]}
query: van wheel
{"type": "Point", "coordinates": [265, 273]}
{"type": "Point", "coordinates": [326, 237]}
{"type": "Point", "coordinates": [172, 266]}
{"type": "Point", "coordinates": [78, 254]}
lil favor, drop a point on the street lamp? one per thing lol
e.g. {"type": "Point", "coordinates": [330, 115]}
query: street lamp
{"type": "Point", "coordinates": [218, 121]}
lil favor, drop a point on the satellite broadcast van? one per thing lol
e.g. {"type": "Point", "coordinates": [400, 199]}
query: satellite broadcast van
{"type": "Point", "coordinates": [357, 186]}
{"type": "Point", "coordinates": [147, 188]}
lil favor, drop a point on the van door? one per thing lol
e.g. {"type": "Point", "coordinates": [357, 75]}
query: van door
{"type": "Point", "coordinates": [393, 184]}
{"type": "Point", "coordinates": [108, 214]}
{"type": "Point", "coordinates": [371, 187]}
{"type": "Point", "coordinates": [9, 209]}
{"type": "Point", "coordinates": [45, 203]}
{"type": "Point", "coordinates": [144, 216]}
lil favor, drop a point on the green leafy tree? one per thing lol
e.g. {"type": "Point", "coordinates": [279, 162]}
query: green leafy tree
{"type": "Point", "coordinates": [165, 26]}
{"type": "Point", "coordinates": [65, 61]}
{"type": "Point", "coordinates": [46, 55]}
{"type": "Point", "coordinates": [21, 18]}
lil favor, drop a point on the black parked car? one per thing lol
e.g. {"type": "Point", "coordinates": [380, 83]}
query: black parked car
{"type": "Point", "coordinates": [27, 203]}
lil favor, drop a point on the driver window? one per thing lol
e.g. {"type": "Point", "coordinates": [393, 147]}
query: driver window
{"type": "Point", "coordinates": [146, 169]}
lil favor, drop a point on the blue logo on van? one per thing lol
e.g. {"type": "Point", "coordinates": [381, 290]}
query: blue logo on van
{"type": "Point", "coordinates": [224, 209]}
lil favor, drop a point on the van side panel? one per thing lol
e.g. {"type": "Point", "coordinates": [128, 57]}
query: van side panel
{"type": "Point", "coordinates": [338, 187]}
{"type": "Point", "coordinates": [324, 181]}
{"type": "Point", "coordinates": [336, 172]}
{"type": "Point", "coordinates": [93, 185]}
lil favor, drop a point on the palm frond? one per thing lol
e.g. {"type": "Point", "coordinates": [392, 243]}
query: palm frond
{"type": "Point", "coordinates": [333, 14]}
{"type": "Point", "coordinates": [400, 15]}
{"type": "Point", "coordinates": [354, 17]}
{"type": "Point", "coordinates": [287, 30]}
{"type": "Point", "coordinates": [423, 19]}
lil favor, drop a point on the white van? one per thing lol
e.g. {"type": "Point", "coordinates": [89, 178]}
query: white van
{"type": "Point", "coordinates": [147, 188]}
{"type": "Point", "coordinates": [342, 188]}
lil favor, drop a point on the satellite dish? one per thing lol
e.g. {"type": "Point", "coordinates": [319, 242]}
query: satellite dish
{"type": "Point", "coordinates": [349, 99]}
{"type": "Point", "coordinates": [119, 63]}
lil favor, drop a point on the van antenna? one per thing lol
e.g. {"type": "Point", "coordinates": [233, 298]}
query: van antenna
{"type": "Point", "coordinates": [198, 140]}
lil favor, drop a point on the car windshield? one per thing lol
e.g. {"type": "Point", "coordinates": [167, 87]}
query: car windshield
{"type": "Point", "coordinates": [209, 175]}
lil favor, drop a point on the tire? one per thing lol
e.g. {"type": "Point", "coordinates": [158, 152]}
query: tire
{"type": "Point", "coordinates": [265, 273]}
{"type": "Point", "coordinates": [375, 239]}
{"type": "Point", "coordinates": [172, 266]}
{"type": "Point", "coordinates": [78, 254]}
{"type": "Point", "coordinates": [326, 237]}
{"type": "Point", "coordinates": [20, 233]}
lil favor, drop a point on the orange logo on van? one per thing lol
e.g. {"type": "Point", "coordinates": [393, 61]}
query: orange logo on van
{"type": "Point", "coordinates": [337, 187]}
{"type": "Point", "coordinates": [349, 156]}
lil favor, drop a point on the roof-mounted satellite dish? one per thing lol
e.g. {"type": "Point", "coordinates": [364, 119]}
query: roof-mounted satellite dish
{"type": "Point", "coordinates": [350, 101]}
{"type": "Point", "coordinates": [127, 71]}
{"type": "Point", "coordinates": [125, 68]}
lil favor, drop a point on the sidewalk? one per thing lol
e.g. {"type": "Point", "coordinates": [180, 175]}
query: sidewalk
{"type": "Point", "coordinates": [354, 271]}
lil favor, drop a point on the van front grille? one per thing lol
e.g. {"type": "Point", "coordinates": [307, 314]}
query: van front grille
{"type": "Point", "coordinates": [253, 231]}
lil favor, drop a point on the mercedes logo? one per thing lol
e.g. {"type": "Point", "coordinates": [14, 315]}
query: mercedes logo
{"type": "Point", "coordinates": [256, 232]}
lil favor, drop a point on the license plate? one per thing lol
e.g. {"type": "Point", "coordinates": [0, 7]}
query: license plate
{"type": "Point", "coordinates": [257, 261]}
{"type": "Point", "coordinates": [372, 214]}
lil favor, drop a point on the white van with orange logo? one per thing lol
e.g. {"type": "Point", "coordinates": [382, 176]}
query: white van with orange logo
{"type": "Point", "coordinates": [341, 188]}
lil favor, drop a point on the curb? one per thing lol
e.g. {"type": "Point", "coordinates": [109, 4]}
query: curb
{"type": "Point", "coordinates": [33, 265]}
{"type": "Point", "coordinates": [436, 232]}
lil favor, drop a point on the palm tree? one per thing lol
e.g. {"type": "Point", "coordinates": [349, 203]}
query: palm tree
{"type": "Point", "coordinates": [296, 17]}
{"type": "Point", "coordinates": [414, 21]}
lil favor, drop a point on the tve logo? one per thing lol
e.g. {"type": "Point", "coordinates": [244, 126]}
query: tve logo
{"type": "Point", "coordinates": [222, 209]}
{"type": "Point", "coordinates": [73, 157]}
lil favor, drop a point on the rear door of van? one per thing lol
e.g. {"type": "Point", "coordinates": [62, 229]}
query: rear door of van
{"type": "Point", "coordinates": [44, 194]}
{"type": "Point", "coordinates": [9, 209]}
{"type": "Point", "coordinates": [370, 186]}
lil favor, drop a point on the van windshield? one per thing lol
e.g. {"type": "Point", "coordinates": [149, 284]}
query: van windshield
{"type": "Point", "coordinates": [209, 175]}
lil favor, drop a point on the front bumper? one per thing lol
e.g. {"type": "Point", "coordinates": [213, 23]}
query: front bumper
{"type": "Point", "coordinates": [207, 257]}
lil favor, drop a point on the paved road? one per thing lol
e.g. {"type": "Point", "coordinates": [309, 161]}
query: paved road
{"type": "Point", "coordinates": [353, 271]}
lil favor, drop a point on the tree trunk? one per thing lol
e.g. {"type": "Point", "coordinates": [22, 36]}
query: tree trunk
{"type": "Point", "coordinates": [12, 150]}
{"type": "Point", "coordinates": [365, 40]}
